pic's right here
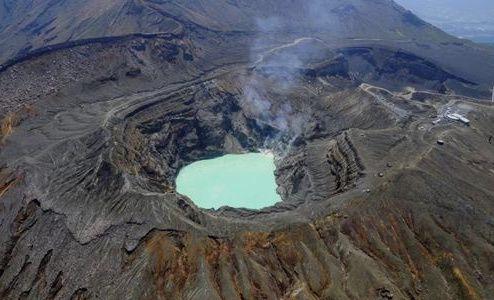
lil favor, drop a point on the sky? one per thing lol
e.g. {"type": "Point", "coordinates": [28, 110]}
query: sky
{"type": "Point", "coordinates": [473, 19]}
{"type": "Point", "coordinates": [452, 10]}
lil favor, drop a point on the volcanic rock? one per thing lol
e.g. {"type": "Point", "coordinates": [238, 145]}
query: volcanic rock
{"type": "Point", "coordinates": [102, 103]}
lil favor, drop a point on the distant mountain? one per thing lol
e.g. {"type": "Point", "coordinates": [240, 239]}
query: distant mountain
{"type": "Point", "coordinates": [27, 25]}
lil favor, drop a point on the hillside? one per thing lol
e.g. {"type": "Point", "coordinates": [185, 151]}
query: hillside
{"type": "Point", "coordinates": [385, 196]}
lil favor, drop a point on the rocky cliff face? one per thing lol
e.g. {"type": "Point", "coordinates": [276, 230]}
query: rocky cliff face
{"type": "Point", "coordinates": [98, 120]}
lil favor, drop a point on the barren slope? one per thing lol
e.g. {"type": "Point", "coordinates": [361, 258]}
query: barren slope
{"type": "Point", "coordinates": [94, 132]}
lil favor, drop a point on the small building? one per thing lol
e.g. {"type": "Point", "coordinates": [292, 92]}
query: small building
{"type": "Point", "coordinates": [458, 117]}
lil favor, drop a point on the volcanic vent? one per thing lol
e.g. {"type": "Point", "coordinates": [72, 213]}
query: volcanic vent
{"type": "Point", "coordinates": [156, 138]}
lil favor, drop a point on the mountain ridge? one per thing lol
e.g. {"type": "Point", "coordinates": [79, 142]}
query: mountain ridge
{"type": "Point", "coordinates": [329, 20]}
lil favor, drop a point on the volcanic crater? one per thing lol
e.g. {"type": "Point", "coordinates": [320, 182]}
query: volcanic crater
{"type": "Point", "coordinates": [95, 130]}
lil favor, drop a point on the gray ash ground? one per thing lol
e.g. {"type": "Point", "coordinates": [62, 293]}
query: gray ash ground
{"type": "Point", "coordinates": [94, 133]}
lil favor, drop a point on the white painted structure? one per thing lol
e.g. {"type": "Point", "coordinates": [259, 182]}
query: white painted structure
{"type": "Point", "coordinates": [458, 117]}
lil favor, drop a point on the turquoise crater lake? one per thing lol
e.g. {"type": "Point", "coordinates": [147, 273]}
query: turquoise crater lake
{"type": "Point", "coordinates": [235, 180]}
